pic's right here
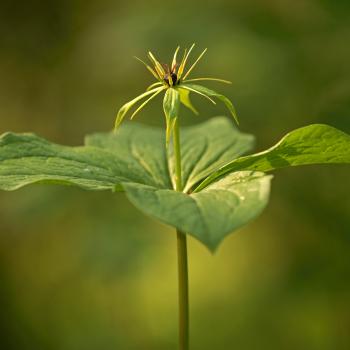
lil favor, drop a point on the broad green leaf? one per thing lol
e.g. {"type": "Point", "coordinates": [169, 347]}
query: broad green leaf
{"type": "Point", "coordinates": [211, 93]}
{"type": "Point", "coordinates": [211, 214]}
{"type": "Point", "coordinates": [134, 159]}
{"type": "Point", "coordinates": [208, 146]}
{"type": "Point", "coordinates": [133, 154]}
{"type": "Point", "coordinates": [139, 150]}
{"type": "Point", "coordinates": [26, 159]}
{"type": "Point", "coordinates": [313, 144]}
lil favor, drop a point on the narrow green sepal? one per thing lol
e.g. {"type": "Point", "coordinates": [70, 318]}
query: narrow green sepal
{"type": "Point", "coordinates": [171, 105]}
{"type": "Point", "coordinates": [185, 100]}
{"type": "Point", "coordinates": [211, 93]}
{"type": "Point", "coordinates": [126, 107]}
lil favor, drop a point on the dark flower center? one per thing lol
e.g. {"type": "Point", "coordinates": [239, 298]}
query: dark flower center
{"type": "Point", "coordinates": [173, 78]}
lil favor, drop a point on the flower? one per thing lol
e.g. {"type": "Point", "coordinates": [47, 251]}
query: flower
{"type": "Point", "coordinates": [173, 80]}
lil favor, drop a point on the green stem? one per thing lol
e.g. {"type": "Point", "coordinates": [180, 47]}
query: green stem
{"type": "Point", "coordinates": [183, 291]}
{"type": "Point", "coordinates": [181, 253]}
{"type": "Point", "coordinates": [177, 154]}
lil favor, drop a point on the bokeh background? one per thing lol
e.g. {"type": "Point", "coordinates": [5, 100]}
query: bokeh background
{"type": "Point", "coordinates": [82, 270]}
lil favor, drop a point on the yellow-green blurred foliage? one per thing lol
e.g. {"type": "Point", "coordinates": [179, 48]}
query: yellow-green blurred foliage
{"type": "Point", "coordinates": [87, 271]}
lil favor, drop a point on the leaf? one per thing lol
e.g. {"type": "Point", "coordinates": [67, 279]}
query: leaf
{"type": "Point", "coordinates": [133, 155]}
{"type": "Point", "coordinates": [211, 214]}
{"type": "Point", "coordinates": [208, 146]}
{"type": "Point", "coordinates": [132, 158]}
{"type": "Point", "coordinates": [211, 93]}
{"type": "Point", "coordinates": [231, 192]}
{"type": "Point", "coordinates": [313, 144]}
{"type": "Point", "coordinates": [139, 150]}
{"type": "Point", "coordinates": [26, 159]}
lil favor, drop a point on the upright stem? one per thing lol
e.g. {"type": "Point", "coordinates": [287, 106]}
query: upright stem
{"type": "Point", "coordinates": [181, 254]}
{"type": "Point", "coordinates": [183, 291]}
{"type": "Point", "coordinates": [177, 153]}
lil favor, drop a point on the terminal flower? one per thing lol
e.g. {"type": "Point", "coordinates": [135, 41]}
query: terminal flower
{"type": "Point", "coordinates": [172, 79]}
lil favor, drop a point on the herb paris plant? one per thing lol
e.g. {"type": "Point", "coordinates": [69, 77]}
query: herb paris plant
{"type": "Point", "coordinates": [201, 183]}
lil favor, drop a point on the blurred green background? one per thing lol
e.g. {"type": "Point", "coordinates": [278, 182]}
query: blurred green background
{"type": "Point", "coordinates": [82, 270]}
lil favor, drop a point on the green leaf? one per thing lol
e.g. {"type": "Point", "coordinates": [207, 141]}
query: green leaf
{"type": "Point", "coordinates": [208, 146]}
{"type": "Point", "coordinates": [134, 154]}
{"type": "Point", "coordinates": [211, 214]}
{"type": "Point", "coordinates": [211, 93]}
{"type": "Point", "coordinates": [139, 151]}
{"type": "Point", "coordinates": [313, 144]}
{"type": "Point", "coordinates": [232, 190]}
{"type": "Point", "coordinates": [135, 158]}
